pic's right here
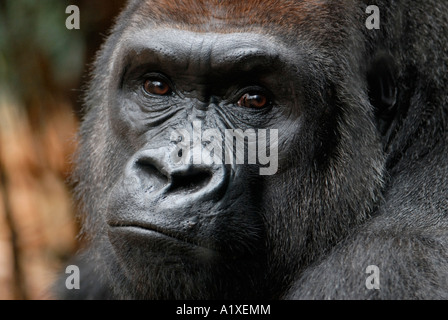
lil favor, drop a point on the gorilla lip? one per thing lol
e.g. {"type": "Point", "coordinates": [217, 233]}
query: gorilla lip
{"type": "Point", "coordinates": [152, 231]}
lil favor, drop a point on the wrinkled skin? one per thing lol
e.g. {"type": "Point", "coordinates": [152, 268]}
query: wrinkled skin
{"type": "Point", "coordinates": [362, 152]}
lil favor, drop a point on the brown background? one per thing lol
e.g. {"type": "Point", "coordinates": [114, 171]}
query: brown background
{"type": "Point", "coordinates": [42, 68]}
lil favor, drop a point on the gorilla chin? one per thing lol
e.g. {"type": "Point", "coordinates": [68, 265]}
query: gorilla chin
{"type": "Point", "coordinates": [357, 152]}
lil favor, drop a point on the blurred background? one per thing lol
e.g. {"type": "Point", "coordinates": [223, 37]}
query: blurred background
{"type": "Point", "coordinates": [43, 66]}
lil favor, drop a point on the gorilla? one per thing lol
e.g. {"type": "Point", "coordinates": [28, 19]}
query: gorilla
{"type": "Point", "coordinates": [355, 122]}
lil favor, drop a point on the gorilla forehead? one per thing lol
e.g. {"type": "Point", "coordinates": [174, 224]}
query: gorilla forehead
{"type": "Point", "coordinates": [205, 52]}
{"type": "Point", "coordinates": [212, 15]}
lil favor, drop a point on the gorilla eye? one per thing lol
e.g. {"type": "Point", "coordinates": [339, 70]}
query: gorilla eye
{"type": "Point", "coordinates": [157, 87]}
{"type": "Point", "coordinates": [256, 101]}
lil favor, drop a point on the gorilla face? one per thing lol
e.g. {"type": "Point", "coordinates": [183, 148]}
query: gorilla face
{"type": "Point", "coordinates": [162, 228]}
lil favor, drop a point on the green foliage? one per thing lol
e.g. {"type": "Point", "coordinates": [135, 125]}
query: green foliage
{"type": "Point", "coordinates": [36, 45]}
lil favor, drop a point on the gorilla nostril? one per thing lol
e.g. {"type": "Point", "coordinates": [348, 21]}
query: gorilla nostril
{"type": "Point", "coordinates": [190, 181]}
{"type": "Point", "coordinates": [150, 171]}
{"type": "Point", "coordinates": [157, 172]}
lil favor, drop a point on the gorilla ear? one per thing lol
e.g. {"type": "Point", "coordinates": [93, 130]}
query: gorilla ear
{"type": "Point", "coordinates": [382, 87]}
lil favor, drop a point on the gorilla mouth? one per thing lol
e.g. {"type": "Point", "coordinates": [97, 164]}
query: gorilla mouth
{"type": "Point", "coordinates": [150, 232]}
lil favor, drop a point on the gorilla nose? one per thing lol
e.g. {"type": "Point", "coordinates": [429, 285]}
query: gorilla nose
{"type": "Point", "coordinates": [189, 179]}
{"type": "Point", "coordinates": [159, 172]}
